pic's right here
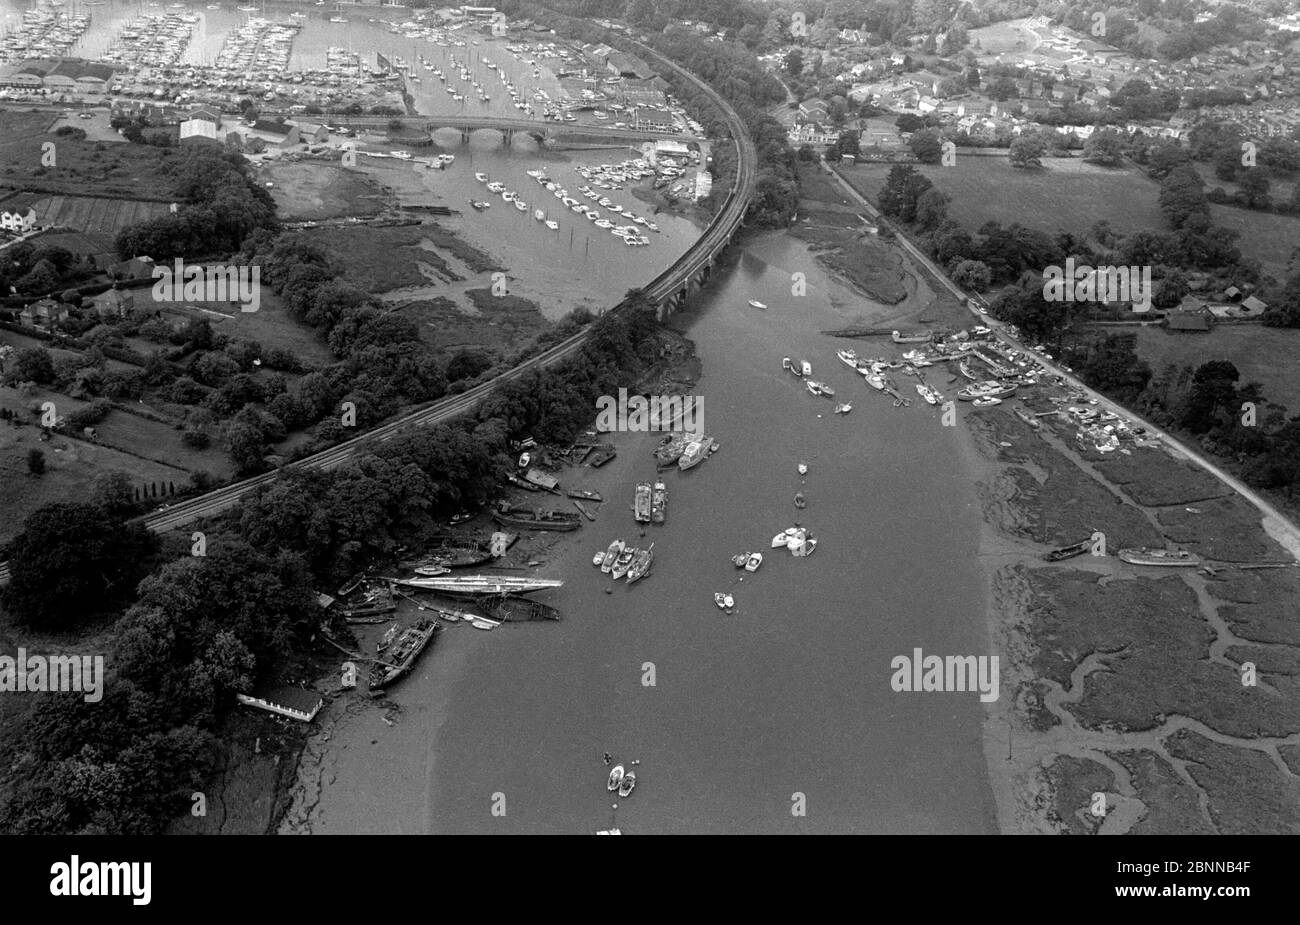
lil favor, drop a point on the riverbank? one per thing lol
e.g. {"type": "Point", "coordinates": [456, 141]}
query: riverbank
{"type": "Point", "coordinates": [1114, 691]}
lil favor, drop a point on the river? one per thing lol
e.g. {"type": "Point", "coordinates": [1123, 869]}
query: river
{"type": "Point", "coordinates": [789, 696]}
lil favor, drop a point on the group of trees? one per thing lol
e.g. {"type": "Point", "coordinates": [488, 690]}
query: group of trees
{"type": "Point", "coordinates": [35, 269]}
{"type": "Point", "coordinates": [202, 628]}
{"type": "Point", "coordinates": [220, 204]}
{"type": "Point", "coordinates": [1251, 165]}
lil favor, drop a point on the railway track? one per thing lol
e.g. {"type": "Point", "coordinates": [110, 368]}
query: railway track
{"type": "Point", "coordinates": [667, 283]}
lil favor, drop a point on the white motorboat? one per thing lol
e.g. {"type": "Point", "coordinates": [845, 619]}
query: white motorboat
{"type": "Point", "coordinates": [843, 409]}
{"type": "Point", "coordinates": [803, 468]}
{"type": "Point", "coordinates": [806, 367]}
{"type": "Point", "coordinates": [720, 599]}
{"type": "Point", "coordinates": [848, 357]}
{"type": "Point", "coordinates": [615, 778]}
{"type": "Point", "coordinates": [754, 303]}
{"type": "Point", "coordinates": [598, 558]}
{"type": "Point", "coordinates": [753, 561]}
{"type": "Point", "coordinates": [611, 556]}
{"type": "Point", "coordinates": [986, 402]}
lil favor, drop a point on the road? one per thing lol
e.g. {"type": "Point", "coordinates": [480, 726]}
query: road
{"type": "Point", "coordinates": [1278, 525]}
{"type": "Point", "coordinates": [671, 280]}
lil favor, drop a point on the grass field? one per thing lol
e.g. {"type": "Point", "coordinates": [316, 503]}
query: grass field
{"type": "Point", "coordinates": [1069, 195]}
{"type": "Point", "coordinates": [381, 259]}
{"type": "Point", "coordinates": [71, 467]}
{"type": "Point", "coordinates": [270, 325]}
{"type": "Point", "coordinates": [1263, 355]}
{"type": "Point", "coordinates": [84, 168]}
{"type": "Point", "coordinates": [314, 190]}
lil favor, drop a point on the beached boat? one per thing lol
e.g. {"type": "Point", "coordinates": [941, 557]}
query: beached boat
{"type": "Point", "coordinates": [454, 557]}
{"type": "Point", "coordinates": [930, 396]}
{"type": "Point", "coordinates": [601, 455]}
{"type": "Point", "coordinates": [623, 562]}
{"type": "Point", "coordinates": [480, 204]}
{"type": "Point", "coordinates": [1068, 552]}
{"type": "Point", "coordinates": [611, 556]}
{"type": "Point", "coordinates": [476, 585]}
{"type": "Point", "coordinates": [991, 389]}
{"type": "Point", "coordinates": [403, 653]}
{"type": "Point", "coordinates": [583, 494]}
{"type": "Point", "coordinates": [530, 519]}
{"type": "Point", "coordinates": [641, 563]}
{"type": "Point", "coordinates": [986, 402]}
{"type": "Point", "coordinates": [516, 609]}
{"type": "Point", "coordinates": [695, 453]}
{"type": "Point", "coordinates": [615, 778]}
{"type": "Point", "coordinates": [917, 338]}
{"type": "Point", "coordinates": [641, 504]}
{"type": "Point", "coordinates": [753, 561]}
{"type": "Point", "coordinates": [659, 503]}
{"type": "Point", "coordinates": [1145, 555]}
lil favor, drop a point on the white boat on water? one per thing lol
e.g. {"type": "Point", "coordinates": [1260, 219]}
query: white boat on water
{"type": "Point", "coordinates": [756, 304]}
{"type": "Point", "coordinates": [848, 357]}
{"type": "Point", "coordinates": [552, 225]}
{"type": "Point", "coordinates": [803, 468]}
{"type": "Point", "coordinates": [611, 556]}
{"type": "Point", "coordinates": [806, 367]}
{"type": "Point", "coordinates": [695, 453]}
{"type": "Point", "coordinates": [753, 561]}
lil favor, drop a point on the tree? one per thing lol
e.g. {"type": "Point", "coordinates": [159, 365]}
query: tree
{"type": "Point", "coordinates": [114, 494]}
{"type": "Point", "coordinates": [927, 146]}
{"type": "Point", "coordinates": [1104, 148]}
{"type": "Point", "coordinates": [43, 278]}
{"type": "Point", "coordinates": [972, 274]}
{"type": "Point", "coordinates": [1254, 188]}
{"type": "Point", "coordinates": [794, 62]}
{"type": "Point", "coordinates": [1027, 151]}
{"type": "Point", "coordinates": [848, 143]}
{"type": "Point", "coordinates": [36, 462]}
{"type": "Point", "coordinates": [72, 561]}
{"type": "Point", "coordinates": [932, 209]}
{"type": "Point", "coordinates": [34, 364]}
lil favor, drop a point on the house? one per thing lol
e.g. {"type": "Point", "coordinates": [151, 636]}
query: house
{"type": "Point", "coordinates": [135, 268]}
{"type": "Point", "coordinates": [275, 134]}
{"type": "Point", "coordinates": [292, 702]}
{"type": "Point", "coordinates": [813, 110]}
{"type": "Point", "coordinates": [312, 133]}
{"type": "Point", "coordinates": [1031, 108]}
{"type": "Point", "coordinates": [43, 314]}
{"type": "Point", "coordinates": [1188, 321]}
{"type": "Point", "coordinates": [1233, 293]}
{"type": "Point", "coordinates": [625, 65]}
{"type": "Point", "coordinates": [196, 130]}
{"type": "Point", "coordinates": [1253, 305]}
{"type": "Point", "coordinates": [207, 113]}
{"type": "Point", "coordinates": [113, 304]}
{"type": "Point", "coordinates": [927, 104]}
{"type": "Point", "coordinates": [17, 221]}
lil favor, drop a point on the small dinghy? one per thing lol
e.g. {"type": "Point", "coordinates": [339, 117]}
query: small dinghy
{"type": "Point", "coordinates": [739, 561]}
{"type": "Point", "coordinates": [598, 558]}
{"type": "Point", "coordinates": [799, 500]}
{"type": "Point", "coordinates": [843, 409]}
{"type": "Point", "coordinates": [754, 560]}
{"type": "Point", "coordinates": [615, 778]}
{"type": "Point", "coordinates": [783, 538]}
{"type": "Point", "coordinates": [721, 600]}
{"type": "Point", "coordinates": [728, 601]}
{"type": "Point", "coordinates": [803, 468]}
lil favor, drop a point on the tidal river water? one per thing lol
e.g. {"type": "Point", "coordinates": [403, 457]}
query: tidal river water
{"type": "Point", "coordinates": [779, 718]}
